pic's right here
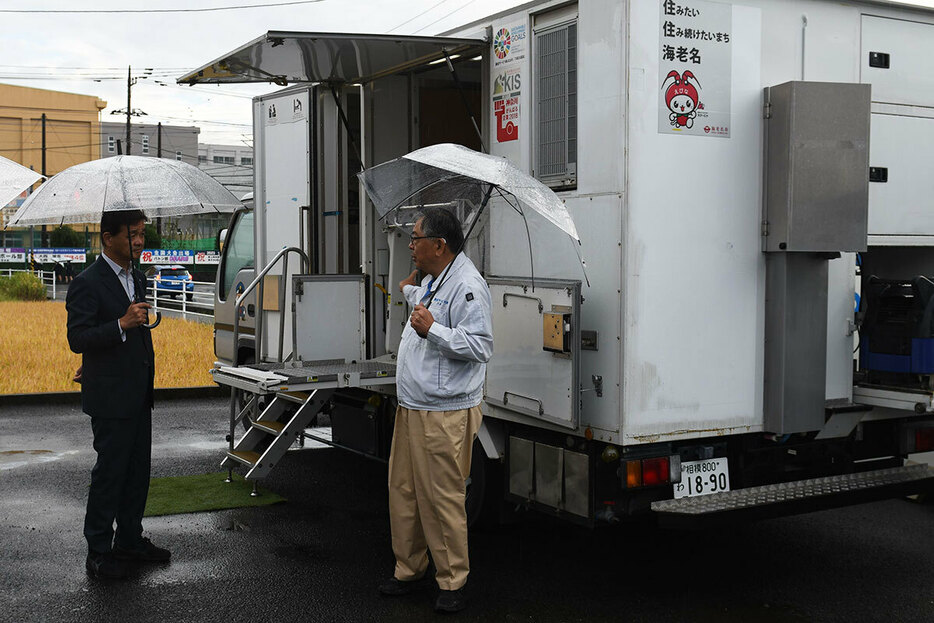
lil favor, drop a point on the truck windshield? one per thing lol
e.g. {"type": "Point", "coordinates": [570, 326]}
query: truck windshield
{"type": "Point", "coordinates": [238, 252]}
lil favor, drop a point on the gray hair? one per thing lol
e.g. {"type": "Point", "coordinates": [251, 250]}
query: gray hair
{"type": "Point", "coordinates": [442, 223]}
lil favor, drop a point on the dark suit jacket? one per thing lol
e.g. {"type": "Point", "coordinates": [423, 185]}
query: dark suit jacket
{"type": "Point", "coordinates": [117, 376]}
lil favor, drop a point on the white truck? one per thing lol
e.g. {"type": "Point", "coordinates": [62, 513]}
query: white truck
{"type": "Point", "coordinates": [739, 173]}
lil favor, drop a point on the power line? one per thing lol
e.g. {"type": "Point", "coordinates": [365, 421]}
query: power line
{"type": "Point", "coordinates": [429, 9]}
{"type": "Point", "coordinates": [202, 10]}
{"type": "Point", "coordinates": [443, 17]}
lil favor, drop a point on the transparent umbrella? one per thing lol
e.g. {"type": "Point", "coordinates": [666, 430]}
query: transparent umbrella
{"type": "Point", "coordinates": [14, 179]}
{"type": "Point", "coordinates": [157, 186]}
{"type": "Point", "coordinates": [454, 174]}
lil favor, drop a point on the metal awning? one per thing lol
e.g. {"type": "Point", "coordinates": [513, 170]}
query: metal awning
{"type": "Point", "coordinates": [287, 57]}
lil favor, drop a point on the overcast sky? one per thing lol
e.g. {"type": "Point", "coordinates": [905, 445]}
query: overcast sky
{"type": "Point", "coordinates": [88, 53]}
{"type": "Point", "coordinates": [77, 48]}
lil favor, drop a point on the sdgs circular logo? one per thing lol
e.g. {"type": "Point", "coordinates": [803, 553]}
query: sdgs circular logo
{"type": "Point", "coordinates": [501, 43]}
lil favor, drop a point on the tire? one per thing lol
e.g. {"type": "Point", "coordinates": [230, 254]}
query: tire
{"type": "Point", "coordinates": [484, 497]}
{"type": "Point", "coordinates": [242, 398]}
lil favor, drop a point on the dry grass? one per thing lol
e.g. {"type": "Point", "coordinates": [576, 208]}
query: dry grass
{"type": "Point", "coordinates": [34, 354]}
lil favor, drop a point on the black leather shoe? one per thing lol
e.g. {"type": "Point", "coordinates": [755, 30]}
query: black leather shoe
{"type": "Point", "coordinates": [104, 566]}
{"type": "Point", "coordinates": [393, 587]}
{"type": "Point", "coordinates": [451, 601]}
{"type": "Point", "coordinates": [146, 552]}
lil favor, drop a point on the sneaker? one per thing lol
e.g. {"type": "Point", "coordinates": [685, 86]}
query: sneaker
{"type": "Point", "coordinates": [146, 552]}
{"type": "Point", "coordinates": [450, 601]}
{"type": "Point", "coordinates": [104, 566]}
{"type": "Point", "coordinates": [393, 587]}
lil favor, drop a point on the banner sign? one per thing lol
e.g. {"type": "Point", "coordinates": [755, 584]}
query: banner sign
{"type": "Point", "coordinates": [208, 257]}
{"type": "Point", "coordinates": [12, 255]}
{"type": "Point", "coordinates": [696, 68]}
{"type": "Point", "coordinates": [509, 48]}
{"type": "Point", "coordinates": [48, 256]}
{"type": "Point", "coordinates": [166, 256]}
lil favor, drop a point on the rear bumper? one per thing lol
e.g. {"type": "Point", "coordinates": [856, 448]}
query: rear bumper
{"type": "Point", "coordinates": [174, 286]}
{"type": "Point", "coordinates": [792, 498]}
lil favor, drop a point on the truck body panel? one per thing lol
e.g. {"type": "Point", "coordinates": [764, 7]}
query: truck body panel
{"type": "Point", "coordinates": [710, 323]}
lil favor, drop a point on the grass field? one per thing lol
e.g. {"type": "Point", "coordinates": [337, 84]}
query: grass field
{"type": "Point", "coordinates": [34, 354]}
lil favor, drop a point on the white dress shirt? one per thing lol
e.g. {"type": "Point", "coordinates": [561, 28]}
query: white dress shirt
{"type": "Point", "coordinates": [126, 280]}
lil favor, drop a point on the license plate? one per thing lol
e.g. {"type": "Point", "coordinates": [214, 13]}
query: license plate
{"type": "Point", "coordinates": [703, 478]}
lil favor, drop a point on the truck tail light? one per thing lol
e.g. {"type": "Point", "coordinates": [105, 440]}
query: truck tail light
{"type": "Point", "coordinates": [633, 474]}
{"type": "Point", "coordinates": [649, 472]}
{"type": "Point", "coordinates": [655, 471]}
{"type": "Point", "coordinates": [924, 439]}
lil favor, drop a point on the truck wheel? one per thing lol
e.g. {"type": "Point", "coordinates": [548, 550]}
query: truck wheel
{"type": "Point", "coordinates": [484, 489]}
{"type": "Point", "coordinates": [243, 397]}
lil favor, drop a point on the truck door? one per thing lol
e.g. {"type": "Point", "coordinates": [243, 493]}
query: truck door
{"type": "Point", "coordinates": [235, 273]}
{"type": "Point", "coordinates": [534, 373]}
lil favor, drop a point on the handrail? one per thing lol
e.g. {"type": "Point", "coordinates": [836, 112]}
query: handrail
{"type": "Point", "coordinates": [236, 331]}
{"type": "Point", "coordinates": [259, 277]}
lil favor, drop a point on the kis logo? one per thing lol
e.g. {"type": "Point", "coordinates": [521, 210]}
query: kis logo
{"type": "Point", "coordinates": [296, 106]}
{"type": "Point", "coordinates": [272, 111]}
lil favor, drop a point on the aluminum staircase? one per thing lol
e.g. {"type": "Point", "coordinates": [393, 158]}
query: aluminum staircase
{"type": "Point", "coordinates": [268, 437]}
{"type": "Point", "coordinates": [309, 385]}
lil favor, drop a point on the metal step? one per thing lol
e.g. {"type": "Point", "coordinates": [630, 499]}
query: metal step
{"type": "Point", "coordinates": [791, 498]}
{"type": "Point", "coordinates": [273, 428]}
{"type": "Point", "coordinates": [247, 457]}
{"type": "Point", "coordinates": [296, 397]}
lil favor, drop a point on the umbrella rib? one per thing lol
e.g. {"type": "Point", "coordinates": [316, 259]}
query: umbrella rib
{"type": "Point", "coordinates": [107, 186]}
{"type": "Point", "coordinates": [415, 192]}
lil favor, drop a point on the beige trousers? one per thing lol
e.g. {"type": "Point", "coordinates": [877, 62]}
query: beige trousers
{"type": "Point", "coordinates": [428, 464]}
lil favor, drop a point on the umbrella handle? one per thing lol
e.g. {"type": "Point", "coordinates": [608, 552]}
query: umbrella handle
{"type": "Point", "coordinates": [156, 323]}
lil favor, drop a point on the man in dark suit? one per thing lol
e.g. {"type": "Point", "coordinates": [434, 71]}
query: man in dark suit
{"type": "Point", "coordinates": [116, 375]}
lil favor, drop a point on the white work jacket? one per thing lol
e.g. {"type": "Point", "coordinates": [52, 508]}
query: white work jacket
{"type": "Point", "coordinates": [445, 370]}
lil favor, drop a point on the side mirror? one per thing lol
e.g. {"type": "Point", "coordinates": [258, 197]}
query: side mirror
{"type": "Point", "coordinates": [221, 238]}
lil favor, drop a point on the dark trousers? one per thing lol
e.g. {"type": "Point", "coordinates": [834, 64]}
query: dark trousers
{"type": "Point", "coordinates": [119, 482]}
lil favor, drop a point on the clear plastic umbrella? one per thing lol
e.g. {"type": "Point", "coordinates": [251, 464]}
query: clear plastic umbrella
{"type": "Point", "coordinates": [14, 179]}
{"type": "Point", "coordinates": [449, 173]}
{"type": "Point", "coordinates": [157, 186]}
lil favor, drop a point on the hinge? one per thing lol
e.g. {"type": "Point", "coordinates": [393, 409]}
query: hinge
{"type": "Point", "coordinates": [299, 288]}
{"type": "Point", "coordinates": [767, 110]}
{"type": "Point", "coordinates": [765, 228]}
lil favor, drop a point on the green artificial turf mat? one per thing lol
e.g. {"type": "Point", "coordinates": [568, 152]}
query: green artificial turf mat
{"type": "Point", "coordinates": [203, 492]}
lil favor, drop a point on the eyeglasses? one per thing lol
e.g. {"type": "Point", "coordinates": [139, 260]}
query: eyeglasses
{"type": "Point", "coordinates": [413, 238]}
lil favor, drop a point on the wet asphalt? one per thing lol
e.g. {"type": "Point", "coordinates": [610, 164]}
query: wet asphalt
{"type": "Point", "coordinates": [319, 556]}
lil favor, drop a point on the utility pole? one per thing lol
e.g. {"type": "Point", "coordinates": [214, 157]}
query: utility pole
{"type": "Point", "coordinates": [129, 89]}
{"type": "Point", "coordinates": [43, 238]}
{"type": "Point", "coordinates": [130, 81]}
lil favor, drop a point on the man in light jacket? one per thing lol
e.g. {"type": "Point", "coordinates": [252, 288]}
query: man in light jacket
{"type": "Point", "coordinates": [440, 372]}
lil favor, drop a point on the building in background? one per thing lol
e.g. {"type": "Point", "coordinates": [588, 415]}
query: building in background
{"type": "Point", "coordinates": [47, 131]}
{"type": "Point", "coordinates": [231, 165]}
{"type": "Point", "coordinates": [149, 139]}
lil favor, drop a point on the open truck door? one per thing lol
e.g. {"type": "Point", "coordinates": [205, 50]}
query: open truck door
{"type": "Point", "coordinates": [349, 101]}
{"type": "Point", "coordinates": [314, 137]}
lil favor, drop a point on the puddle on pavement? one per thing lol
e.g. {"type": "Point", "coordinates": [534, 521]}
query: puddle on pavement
{"type": "Point", "coordinates": [10, 459]}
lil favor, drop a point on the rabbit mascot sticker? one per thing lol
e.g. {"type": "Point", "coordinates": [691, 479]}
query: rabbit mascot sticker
{"type": "Point", "coordinates": [682, 99]}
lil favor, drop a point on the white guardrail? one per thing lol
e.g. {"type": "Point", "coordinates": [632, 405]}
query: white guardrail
{"type": "Point", "coordinates": [201, 303]}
